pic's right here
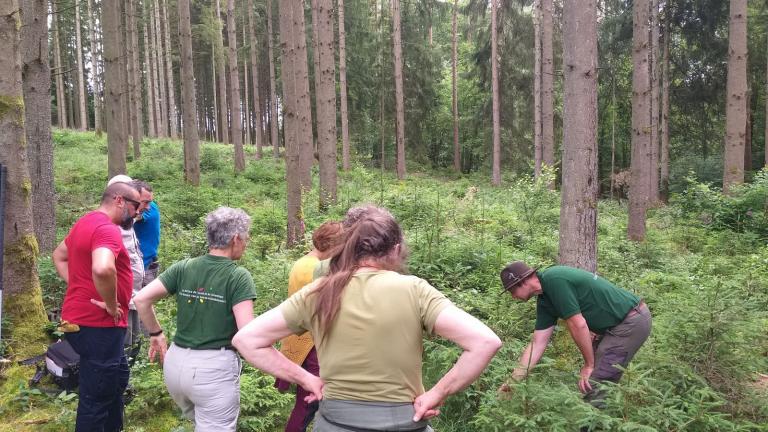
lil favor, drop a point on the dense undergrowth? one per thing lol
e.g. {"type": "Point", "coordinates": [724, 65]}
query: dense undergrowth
{"type": "Point", "coordinates": [703, 270]}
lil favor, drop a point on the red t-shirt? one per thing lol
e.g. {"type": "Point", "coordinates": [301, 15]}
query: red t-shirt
{"type": "Point", "coordinates": [92, 231]}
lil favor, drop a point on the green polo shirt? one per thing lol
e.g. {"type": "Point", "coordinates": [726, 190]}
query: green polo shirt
{"type": "Point", "coordinates": [568, 291]}
{"type": "Point", "coordinates": [206, 289]}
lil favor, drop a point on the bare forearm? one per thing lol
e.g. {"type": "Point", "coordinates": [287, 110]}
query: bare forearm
{"type": "Point", "coordinates": [148, 317]}
{"type": "Point", "coordinates": [467, 369]}
{"type": "Point", "coordinates": [273, 362]}
{"type": "Point", "coordinates": [580, 334]}
{"type": "Point", "coordinates": [106, 286]}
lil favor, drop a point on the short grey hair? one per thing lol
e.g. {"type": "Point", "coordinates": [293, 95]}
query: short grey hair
{"type": "Point", "coordinates": [223, 224]}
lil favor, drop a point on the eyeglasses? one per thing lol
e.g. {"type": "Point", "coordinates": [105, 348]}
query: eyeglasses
{"type": "Point", "coordinates": [135, 203]}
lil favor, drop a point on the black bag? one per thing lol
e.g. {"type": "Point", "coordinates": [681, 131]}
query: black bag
{"type": "Point", "coordinates": [63, 363]}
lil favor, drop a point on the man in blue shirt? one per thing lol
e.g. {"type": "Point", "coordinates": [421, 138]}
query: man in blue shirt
{"type": "Point", "coordinates": [147, 229]}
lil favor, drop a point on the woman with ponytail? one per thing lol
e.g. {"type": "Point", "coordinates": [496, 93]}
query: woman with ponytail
{"type": "Point", "coordinates": [367, 320]}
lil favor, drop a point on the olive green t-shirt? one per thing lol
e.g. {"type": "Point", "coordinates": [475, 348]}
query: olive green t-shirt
{"type": "Point", "coordinates": [568, 291]}
{"type": "Point", "coordinates": [206, 289]}
{"type": "Point", "coordinates": [373, 352]}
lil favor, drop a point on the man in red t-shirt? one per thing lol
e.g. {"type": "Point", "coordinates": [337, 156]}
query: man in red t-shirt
{"type": "Point", "coordinates": [95, 265]}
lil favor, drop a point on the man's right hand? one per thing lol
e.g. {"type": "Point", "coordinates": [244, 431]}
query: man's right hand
{"type": "Point", "coordinates": [116, 312]}
{"type": "Point", "coordinates": [158, 346]}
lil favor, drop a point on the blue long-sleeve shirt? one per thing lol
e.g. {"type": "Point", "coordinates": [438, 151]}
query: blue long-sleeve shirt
{"type": "Point", "coordinates": [148, 233]}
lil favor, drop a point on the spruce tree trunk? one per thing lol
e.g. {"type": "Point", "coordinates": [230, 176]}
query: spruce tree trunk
{"type": "Point", "coordinates": [221, 74]}
{"type": "Point", "coordinates": [547, 78]}
{"type": "Point", "coordinates": [258, 128]}
{"type": "Point", "coordinates": [173, 120]}
{"type": "Point", "coordinates": [454, 87]}
{"type": "Point", "coordinates": [315, 74]}
{"type": "Point", "coordinates": [117, 141]}
{"type": "Point", "coordinates": [345, 150]}
{"type": "Point", "coordinates": [298, 126]}
{"type": "Point", "coordinates": [133, 123]}
{"type": "Point", "coordinates": [641, 123]}
{"type": "Point", "coordinates": [399, 97]}
{"type": "Point", "coordinates": [578, 210]}
{"type": "Point", "coordinates": [188, 98]}
{"type": "Point", "coordinates": [37, 119]}
{"type": "Point", "coordinates": [246, 118]}
{"type": "Point", "coordinates": [150, 82]}
{"type": "Point", "coordinates": [736, 96]}
{"type": "Point", "coordinates": [496, 167]}
{"type": "Point", "coordinates": [61, 104]}
{"type": "Point", "coordinates": [236, 133]}
{"type": "Point", "coordinates": [22, 297]}
{"type": "Point", "coordinates": [137, 103]}
{"type": "Point", "coordinates": [162, 80]}
{"type": "Point", "coordinates": [95, 69]}
{"type": "Point", "coordinates": [653, 65]}
{"type": "Point", "coordinates": [156, 83]}
{"type": "Point", "coordinates": [537, 88]}
{"type": "Point", "coordinates": [664, 152]}
{"type": "Point", "coordinates": [274, 138]}
{"type": "Point", "coordinates": [325, 94]}
{"type": "Point", "coordinates": [81, 100]}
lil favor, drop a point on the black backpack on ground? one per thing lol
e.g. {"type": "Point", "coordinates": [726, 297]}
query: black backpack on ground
{"type": "Point", "coordinates": [63, 363]}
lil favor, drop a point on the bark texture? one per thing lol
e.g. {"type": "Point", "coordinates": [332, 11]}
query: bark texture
{"type": "Point", "coordinates": [117, 140]}
{"type": "Point", "coordinates": [578, 210]}
{"type": "Point", "coordinates": [325, 94]}
{"type": "Point", "coordinates": [258, 128]}
{"type": "Point", "coordinates": [496, 167]}
{"type": "Point", "coordinates": [345, 150]}
{"type": "Point", "coordinates": [234, 89]}
{"type": "Point", "coordinates": [399, 96]}
{"type": "Point", "coordinates": [80, 82]}
{"type": "Point", "coordinates": [22, 298]}
{"type": "Point", "coordinates": [58, 71]}
{"type": "Point", "coordinates": [641, 123]}
{"type": "Point", "coordinates": [173, 120]}
{"type": "Point", "coordinates": [221, 76]}
{"type": "Point", "coordinates": [188, 97]}
{"type": "Point", "coordinates": [547, 79]}
{"type": "Point", "coordinates": [736, 96]}
{"type": "Point", "coordinates": [37, 119]}
{"type": "Point", "coordinates": [454, 88]}
{"type": "Point", "coordinates": [273, 135]}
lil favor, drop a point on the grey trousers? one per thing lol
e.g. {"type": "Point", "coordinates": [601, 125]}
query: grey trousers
{"type": "Point", "coordinates": [617, 347]}
{"type": "Point", "coordinates": [360, 416]}
{"type": "Point", "coordinates": [205, 384]}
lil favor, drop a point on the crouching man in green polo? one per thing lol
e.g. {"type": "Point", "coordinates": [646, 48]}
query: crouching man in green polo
{"type": "Point", "coordinates": [607, 323]}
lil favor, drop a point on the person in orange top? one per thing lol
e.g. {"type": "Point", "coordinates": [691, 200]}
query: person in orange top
{"type": "Point", "coordinates": [301, 349]}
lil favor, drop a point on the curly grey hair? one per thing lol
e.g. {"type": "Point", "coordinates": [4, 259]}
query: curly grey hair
{"type": "Point", "coordinates": [223, 224]}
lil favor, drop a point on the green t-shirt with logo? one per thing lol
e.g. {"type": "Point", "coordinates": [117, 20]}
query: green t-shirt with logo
{"type": "Point", "coordinates": [206, 289]}
{"type": "Point", "coordinates": [568, 291]}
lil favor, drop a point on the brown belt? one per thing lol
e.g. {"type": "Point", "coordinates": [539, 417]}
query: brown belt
{"type": "Point", "coordinates": [635, 310]}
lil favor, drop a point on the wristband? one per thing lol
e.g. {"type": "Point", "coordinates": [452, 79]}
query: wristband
{"type": "Point", "coordinates": [157, 333]}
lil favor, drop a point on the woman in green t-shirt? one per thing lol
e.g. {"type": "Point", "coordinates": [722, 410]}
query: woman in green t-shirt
{"type": "Point", "coordinates": [367, 320]}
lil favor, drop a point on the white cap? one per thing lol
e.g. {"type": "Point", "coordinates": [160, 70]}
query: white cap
{"type": "Point", "coordinates": [120, 178]}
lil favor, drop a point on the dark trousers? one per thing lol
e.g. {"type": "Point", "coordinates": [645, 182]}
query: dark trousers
{"type": "Point", "coordinates": [617, 347]}
{"type": "Point", "coordinates": [303, 413]}
{"type": "Point", "coordinates": [103, 378]}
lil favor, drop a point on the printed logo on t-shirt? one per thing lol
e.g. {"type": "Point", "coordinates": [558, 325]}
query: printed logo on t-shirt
{"type": "Point", "coordinates": [201, 295]}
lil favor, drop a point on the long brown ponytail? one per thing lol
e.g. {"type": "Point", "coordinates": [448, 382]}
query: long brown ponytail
{"type": "Point", "coordinates": [372, 238]}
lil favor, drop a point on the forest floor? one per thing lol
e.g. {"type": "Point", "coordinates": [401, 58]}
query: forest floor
{"type": "Point", "coordinates": [703, 271]}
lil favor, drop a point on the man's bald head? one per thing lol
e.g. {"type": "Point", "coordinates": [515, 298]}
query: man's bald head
{"type": "Point", "coordinates": [121, 189]}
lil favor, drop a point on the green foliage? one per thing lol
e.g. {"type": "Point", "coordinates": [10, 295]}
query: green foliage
{"type": "Point", "coordinates": [262, 407]}
{"type": "Point", "coordinates": [705, 280]}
